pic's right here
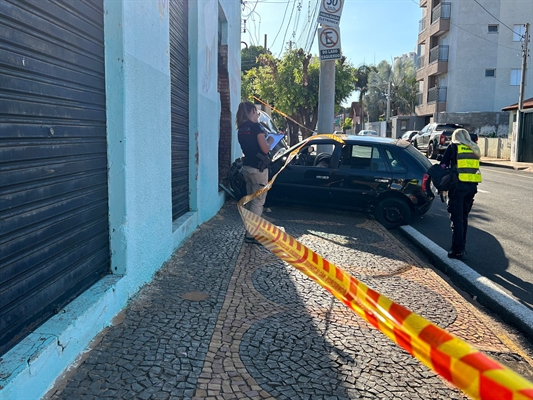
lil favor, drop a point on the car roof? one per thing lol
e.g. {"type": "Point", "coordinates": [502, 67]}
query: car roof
{"type": "Point", "coordinates": [354, 139]}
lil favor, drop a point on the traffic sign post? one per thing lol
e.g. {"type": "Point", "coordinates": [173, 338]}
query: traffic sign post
{"type": "Point", "coordinates": [329, 44]}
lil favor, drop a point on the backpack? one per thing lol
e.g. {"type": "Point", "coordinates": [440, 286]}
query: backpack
{"type": "Point", "coordinates": [444, 179]}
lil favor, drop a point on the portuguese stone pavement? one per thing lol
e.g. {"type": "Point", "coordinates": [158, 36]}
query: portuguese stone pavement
{"type": "Point", "coordinates": [224, 319]}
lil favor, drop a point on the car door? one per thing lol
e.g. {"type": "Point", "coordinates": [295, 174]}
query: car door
{"type": "Point", "coordinates": [423, 137]}
{"type": "Point", "coordinates": [304, 182]}
{"type": "Point", "coordinates": [363, 174]}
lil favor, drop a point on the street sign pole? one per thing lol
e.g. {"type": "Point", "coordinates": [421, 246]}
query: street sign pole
{"type": "Point", "coordinates": [326, 97]}
{"type": "Point", "coordinates": [330, 50]}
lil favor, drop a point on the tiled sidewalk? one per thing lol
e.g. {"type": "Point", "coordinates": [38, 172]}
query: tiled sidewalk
{"type": "Point", "coordinates": [227, 320]}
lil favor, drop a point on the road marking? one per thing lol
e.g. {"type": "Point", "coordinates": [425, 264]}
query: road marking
{"type": "Point", "coordinates": [483, 191]}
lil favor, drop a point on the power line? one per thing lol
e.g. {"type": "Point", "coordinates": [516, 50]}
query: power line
{"type": "Point", "coordinates": [480, 37]}
{"type": "Point", "coordinates": [286, 30]}
{"type": "Point", "coordinates": [281, 26]}
{"type": "Point", "coordinates": [512, 30]}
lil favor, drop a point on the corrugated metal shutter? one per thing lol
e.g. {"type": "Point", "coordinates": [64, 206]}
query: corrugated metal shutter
{"type": "Point", "coordinates": [54, 230]}
{"type": "Point", "coordinates": [527, 142]}
{"type": "Point", "coordinates": [179, 71]}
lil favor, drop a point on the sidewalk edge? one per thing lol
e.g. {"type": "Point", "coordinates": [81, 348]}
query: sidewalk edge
{"type": "Point", "coordinates": [488, 293]}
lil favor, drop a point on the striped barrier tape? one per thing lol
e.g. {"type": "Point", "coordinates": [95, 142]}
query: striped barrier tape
{"type": "Point", "coordinates": [475, 373]}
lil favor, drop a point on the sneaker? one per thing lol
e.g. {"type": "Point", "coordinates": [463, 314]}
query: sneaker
{"type": "Point", "coordinates": [251, 240]}
{"type": "Point", "coordinates": [456, 255]}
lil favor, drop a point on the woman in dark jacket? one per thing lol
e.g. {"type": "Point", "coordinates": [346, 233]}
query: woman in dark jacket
{"type": "Point", "coordinates": [255, 147]}
{"type": "Point", "coordinates": [464, 155]}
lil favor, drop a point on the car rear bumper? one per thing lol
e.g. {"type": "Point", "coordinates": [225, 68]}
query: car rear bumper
{"type": "Point", "coordinates": [424, 208]}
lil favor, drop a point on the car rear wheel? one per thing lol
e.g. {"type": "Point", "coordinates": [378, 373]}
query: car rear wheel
{"type": "Point", "coordinates": [432, 151]}
{"type": "Point", "coordinates": [392, 213]}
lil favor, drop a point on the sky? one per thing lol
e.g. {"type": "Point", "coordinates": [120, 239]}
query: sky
{"type": "Point", "coordinates": [370, 30]}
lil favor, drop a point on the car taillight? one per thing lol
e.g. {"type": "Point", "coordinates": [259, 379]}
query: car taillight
{"type": "Point", "coordinates": [442, 138]}
{"type": "Point", "coordinates": [425, 178]}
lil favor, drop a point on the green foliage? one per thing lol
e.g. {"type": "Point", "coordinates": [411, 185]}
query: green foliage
{"type": "Point", "coordinates": [403, 88]}
{"type": "Point", "coordinates": [347, 124]}
{"type": "Point", "coordinates": [249, 56]}
{"type": "Point", "coordinates": [290, 84]}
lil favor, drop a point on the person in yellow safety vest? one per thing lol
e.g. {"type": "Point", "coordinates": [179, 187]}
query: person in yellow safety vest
{"type": "Point", "coordinates": [464, 155]}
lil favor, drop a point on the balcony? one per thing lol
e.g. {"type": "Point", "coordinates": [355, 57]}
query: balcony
{"type": "Point", "coordinates": [438, 60]}
{"type": "Point", "coordinates": [421, 25]}
{"type": "Point", "coordinates": [421, 62]}
{"type": "Point", "coordinates": [423, 3]}
{"type": "Point", "coordinates": [437, 94]}
{"type": "Point", "coordinates": [440, 19]}
{"type": "Point", "coordinates": [436, 101]}
{"type": "Point", "coordinates": [419, 99]}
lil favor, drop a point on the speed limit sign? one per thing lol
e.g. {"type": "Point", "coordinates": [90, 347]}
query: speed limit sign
{"type": "Point", "coordinates": [330, 12]}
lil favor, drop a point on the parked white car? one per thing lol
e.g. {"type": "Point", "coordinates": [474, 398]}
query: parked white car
{"type": "Point", "coordinates": [367, 132]}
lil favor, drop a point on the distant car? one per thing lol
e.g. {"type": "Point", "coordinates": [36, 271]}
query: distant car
{"type": "Point", "coordinates": [409, 135]}
{"type": "Point", "coordinates": [385, 176]}
{"type": "Point", "coordinates": [434, 138]}
{"type": "Point", "coordinates": [367, 132]}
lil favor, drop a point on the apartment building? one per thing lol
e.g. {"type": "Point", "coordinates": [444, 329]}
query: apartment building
{"type": "Point", "coordinates": [469, 58]}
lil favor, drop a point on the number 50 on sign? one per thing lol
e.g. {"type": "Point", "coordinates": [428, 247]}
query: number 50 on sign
{"type": "Point", "coordinates": [330, 12]}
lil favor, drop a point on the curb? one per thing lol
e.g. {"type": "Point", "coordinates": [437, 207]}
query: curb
{"type": "Point", "coordinates": [508, 166]}
{"type": "Point", "coordinates": [488, 293]}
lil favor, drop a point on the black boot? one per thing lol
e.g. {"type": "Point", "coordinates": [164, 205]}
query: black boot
{"type": "Point", "coordinates": [458, 255]}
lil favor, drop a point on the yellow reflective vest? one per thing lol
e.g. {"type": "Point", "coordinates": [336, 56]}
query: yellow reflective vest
{"type": "Point", "coordinates": [467, 165]}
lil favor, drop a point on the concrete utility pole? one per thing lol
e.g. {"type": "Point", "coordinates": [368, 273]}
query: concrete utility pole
{"type": "Point", "coordinates": [516, 156]}
{"type": "Point", "coordinates": [388, 103]}
{"type": "Point", "coordinates": [326, 97]}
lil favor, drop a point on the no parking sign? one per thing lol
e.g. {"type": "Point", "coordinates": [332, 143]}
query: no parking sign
{"type": "Point", "coordinates": [329, 43]}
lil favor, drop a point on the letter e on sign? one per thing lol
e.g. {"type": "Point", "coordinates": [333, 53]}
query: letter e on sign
{"type": "Point", "coordinates": [329, 43]}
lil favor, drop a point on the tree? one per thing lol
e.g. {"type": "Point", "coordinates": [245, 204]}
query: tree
{"type": "Point", "coordinates": [398, 82]}
{"type": "Point", "coordinates": [347, 124]}
{"type": "Point", "coordinates": [361, 77]}
{"type": "Point", "coordinates": [290, 84]}
{"type": "Point", "coordinates": [249, 56]}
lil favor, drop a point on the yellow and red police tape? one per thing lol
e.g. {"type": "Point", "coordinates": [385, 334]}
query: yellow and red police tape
{"type": "Point", "coordinates": [476, 374]}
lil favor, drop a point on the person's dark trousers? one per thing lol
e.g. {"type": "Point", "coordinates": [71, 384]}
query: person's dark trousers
{"type": "Point", "coordinates": [460, 203]}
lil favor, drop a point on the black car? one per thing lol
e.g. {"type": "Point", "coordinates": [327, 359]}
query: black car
{"type": "Point", "coordinates": [385, 176]}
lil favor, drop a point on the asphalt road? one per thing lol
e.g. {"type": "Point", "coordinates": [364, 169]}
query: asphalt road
{"type": "Point", "coordinates": [500, 234]}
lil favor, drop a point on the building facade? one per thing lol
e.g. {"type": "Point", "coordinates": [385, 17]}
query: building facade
{"type": "Point", "coordinates": [470, 56]}
{"type": "Point", "coordinates": [116, 127]}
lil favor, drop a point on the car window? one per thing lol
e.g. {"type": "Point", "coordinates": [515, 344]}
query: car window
{"type": "Point", "coordinates": [364, 157]}
{"type": "Point", "coordinates": [446, 127]}
{"type": "Point", "coordinates": [395, 163]}
{"type": "Point", "coordinates": [419, 156]}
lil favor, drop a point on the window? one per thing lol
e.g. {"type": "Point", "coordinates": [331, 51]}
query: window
{"type": "Point", "coordinates": [516, 74]}
{"type": "Point", "coordinates": [395, 162]}
{"type": "Point", "coordinates": [362, 157]}
{"type": "Point", "coordinates": [519, 32]}
{"type": "Point", "coordinates": [493, 29]}
{"type": "Point", "coordinates": [490, 72]}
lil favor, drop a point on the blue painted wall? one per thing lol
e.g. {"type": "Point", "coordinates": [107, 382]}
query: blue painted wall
{"type": "Point", "coordinates": [143, 235]}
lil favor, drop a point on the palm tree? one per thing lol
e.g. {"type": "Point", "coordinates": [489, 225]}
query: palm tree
{"type": "Point", "coordinates": [361, 84]}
